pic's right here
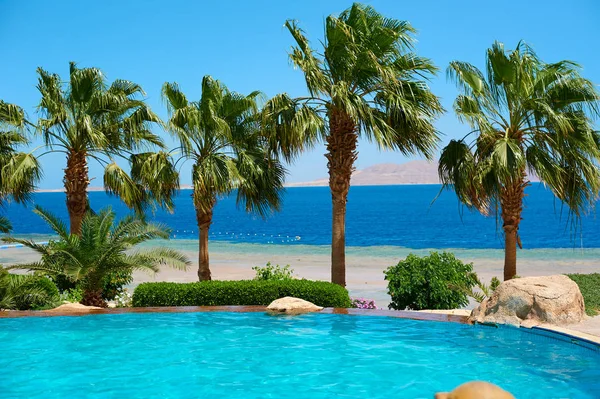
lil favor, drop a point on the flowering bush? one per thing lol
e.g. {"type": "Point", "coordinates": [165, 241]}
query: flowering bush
{"type": "Point", "coordinates": [123, 299]}
{"type": "Point", "coordinates": [362, 303]}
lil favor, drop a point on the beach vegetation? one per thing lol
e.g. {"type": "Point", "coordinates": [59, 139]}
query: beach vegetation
{"type": "Point", "coordinates": [239, 293]}
{"type": "Point", "coordinates": [19, 171]}
{"type": "Point", "coordinates": [481, 291]}
{"type": "Point", "coordinates": [221, 134]}
{"type": "Point", "coordinates": [270, 272]}
{"type": "Point", "coordinates": [589, 285]}
{"type": "Point", "coordinates": [86, 119]}
{"type": "Point", "coordinates": [366, 81]}
{"type": "Point", "coordinates": [105, 246]}
{"type": "Point", "coordinates": [25, 292]}
{"type": "Point", "coordinates": [527, 118]}
{"type": "Point", "coordinates": [435, 281]}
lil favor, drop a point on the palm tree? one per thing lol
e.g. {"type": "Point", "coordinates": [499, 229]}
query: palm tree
{"type": "Point", "coordinates": [525, 115]}
{"type": "Point", "coordinates": [103, 247]}
{"type": "Point", "coordinates": [86, 118]}
{"type": "Point", "coordinates": [19, 171]}
{"type": "Point", "coordinates": [366, 82]}
{"type": "Point", "coordinates": [19, 291]}
{"type": "Point", "coordinates": [221, 135]}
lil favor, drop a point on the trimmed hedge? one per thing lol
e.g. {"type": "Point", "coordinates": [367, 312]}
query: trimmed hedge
{"type": "Point", "coordinates": [241, 293]}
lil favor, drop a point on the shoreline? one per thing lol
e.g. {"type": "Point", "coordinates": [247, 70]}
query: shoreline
{"type": "Point", "coordinates": [365, 265]}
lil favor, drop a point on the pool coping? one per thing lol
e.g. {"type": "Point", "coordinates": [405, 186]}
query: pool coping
{"type": "Point", "coordinates": [441, 317]}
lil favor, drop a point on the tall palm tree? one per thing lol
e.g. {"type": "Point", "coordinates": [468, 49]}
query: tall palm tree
{"type": "Point", "coordinates": [105, 246]}
{"type": "Point", "coordinates": [367, 81]}
{"type": "Point", "coordinates": [19, 171]}
{"type": "Point", "coordinates": [525, 115]}
{"type": "Point", "coordinates": [221, 135]}
{"type": "Point", "coordinates": [87, 118]}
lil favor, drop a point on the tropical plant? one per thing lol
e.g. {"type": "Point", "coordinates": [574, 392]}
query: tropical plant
{"type": "Point", "coordinates": [436, 281]}
{"type": "Point", "coordinates": [483, 292]}
{"type": "Point", "coordinates": [87, 118]}
{"type": "Point", "coordinates": [270, 272]}
{"type": "Point", "coordinates": [23, 292]}
{"type": "Point", "coordinates": [366, 82]}
{"type": "Point", "coordinates": [103, 247]}
{"type": "Point", "coordinates": [221, 135]}
{"type": "Point", "coordinates": [525, 115]}
{"type": "Point", "coordinates": [19, 171]}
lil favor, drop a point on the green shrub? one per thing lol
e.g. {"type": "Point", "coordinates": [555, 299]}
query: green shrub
{"type": "Point", "coordinates": [25, 292]}
{"type": "Point", "coordinates": [112, 283]}
{"type": "Point", "coordinates": [589, 285]}
{"type": "Point", "coordinates": [437, 281]}
{"type": "Point", "coordinates": [244, 292]}
{"type": "Point", "coordinates": [270, 272]}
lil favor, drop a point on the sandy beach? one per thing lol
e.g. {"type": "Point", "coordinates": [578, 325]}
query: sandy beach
{"type": "Point", "coordinates": [365, 265]}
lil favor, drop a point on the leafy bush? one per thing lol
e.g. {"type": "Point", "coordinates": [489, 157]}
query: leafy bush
{"type": "Point", "coordinates": [436, 281]}
{"type": "Point", "coordinates": [123, 299]}
{"type": "Point", "coordinates": [112, 283]}
{"type": "Point", "coordinates": [270, 272]}
{"type": "Point", "coordinates": [244, 292]}
{"type": "Point", "coordinates": [589, 285]}
{"type": "Point", "coordinates": [74, 295]}
{"type": "Point", "coordinates": [24, 292]}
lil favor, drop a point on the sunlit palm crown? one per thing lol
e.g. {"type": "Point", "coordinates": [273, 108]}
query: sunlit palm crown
{"type": "Point", "coordinates": [106, 122]}
{"type": "Point", "coordinates": [222, 135]}
{"type": "Point", "coordinates": [368, 71]}
{"type": "Point", "coordinates": [19, 171]}
{"type": "Point", "coordinates": [525, 115]}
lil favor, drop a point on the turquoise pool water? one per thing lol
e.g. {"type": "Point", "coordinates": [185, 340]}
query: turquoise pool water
{"type": "Point", "coordinates": [252, 355]}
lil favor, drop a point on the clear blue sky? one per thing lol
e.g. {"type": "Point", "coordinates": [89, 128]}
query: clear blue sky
{"type": "Point", "coordinates": [244, 44]}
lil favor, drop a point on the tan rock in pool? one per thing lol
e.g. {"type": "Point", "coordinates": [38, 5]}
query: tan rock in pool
{"type": "Point", "coordinates": [476, 390]}
{"type": "Point", "coordinates": [529, 301]}
{"type": "Point", "coordinates": [291, 305]}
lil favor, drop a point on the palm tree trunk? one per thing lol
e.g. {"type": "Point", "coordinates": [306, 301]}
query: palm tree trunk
{"type": "Point", "coordinates": [511, 201]}
{"type": "Point", "coordinates": [93, 297]}
{"type": "Point", "coordinates": [76, 183]}
{"type": "Point", "coordinates": [341, 154]}
{"type": "Point", "coordinates": [204, 218]}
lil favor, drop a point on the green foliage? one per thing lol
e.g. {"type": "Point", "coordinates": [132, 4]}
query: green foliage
{"type": "Point", "coordinates": [105, 254]}
{"type": "Point", "coordinates": [270, 272]}
{"type": "Point", "coordinates": [589, 285]}
{"type": "Point", "coordinates": [24, 292]}
{"type": "Point", "coordinates": [74, 295]}
{"type": "Point", "coordinates": [429, 282]}
{"type": "Point", "coordinates": [84, 115]}
{"type": "Point", "coordinates": [524, 114]}
{"type": "Point", "coordinates": [244, 292]}
{"type": "Point", "coordinates": [19, 171]}
{"type": "Point", "coordinates": [485, 291]}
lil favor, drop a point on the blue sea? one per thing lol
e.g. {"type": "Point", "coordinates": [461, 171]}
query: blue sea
{"type": "Point", "coordinates": [385, 216]}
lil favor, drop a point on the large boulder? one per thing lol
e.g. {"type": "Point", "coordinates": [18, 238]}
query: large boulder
{"type": "Point", "coordinates": [476, 390]}
{"type": "Point", "coordinates": [292, 305]}
{"type": "Point", "coordinates": [531, 301]}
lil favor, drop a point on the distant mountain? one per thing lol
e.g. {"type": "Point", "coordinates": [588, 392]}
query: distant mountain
{"type": "Point", "coordinates": [412, 172]}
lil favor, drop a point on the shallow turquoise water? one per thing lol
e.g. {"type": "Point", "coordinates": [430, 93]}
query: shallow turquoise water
{"type": "Point", "coordinates": [252, 355]}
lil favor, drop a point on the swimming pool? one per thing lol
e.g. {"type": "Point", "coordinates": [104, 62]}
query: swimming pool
{"type": "Point", "coordinates": [252, 355]}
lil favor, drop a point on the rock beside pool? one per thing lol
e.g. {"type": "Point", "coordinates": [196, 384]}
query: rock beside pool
{"type": "Point", "coordinates": [476, 390]}
{"type": "Point", "coordinates": [291, 305]}
{"type": "Point", "coordinates": [71, 307]}
{"type": "Point", "coordinates": [530, 301]}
